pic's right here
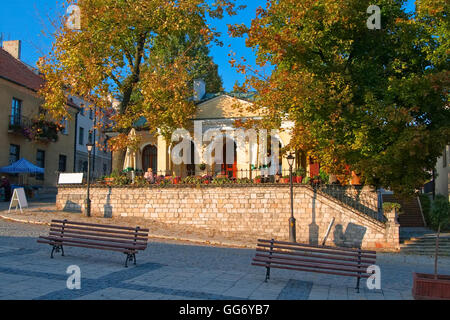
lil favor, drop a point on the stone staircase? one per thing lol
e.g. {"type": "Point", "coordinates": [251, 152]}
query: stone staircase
{"type": "Point", "coordinates": [422, 241]}
{"type": "Point", "coordinates": [411, 212]}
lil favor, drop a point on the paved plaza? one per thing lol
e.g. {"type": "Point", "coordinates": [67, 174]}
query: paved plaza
{"type": "Point", "coordinates": [179, 271]}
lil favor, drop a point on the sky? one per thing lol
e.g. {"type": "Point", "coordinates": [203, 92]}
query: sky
{"type": "Point", "coordinates": [30, 21]}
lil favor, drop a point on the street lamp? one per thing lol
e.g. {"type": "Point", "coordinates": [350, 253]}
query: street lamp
{"type": "Point", "coordinates": [292, 234]}
{"type": "Point", "coordinates": [89, 147]}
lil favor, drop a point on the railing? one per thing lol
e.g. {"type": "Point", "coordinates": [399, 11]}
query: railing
{"type": "Point", "coordinates": [265, 174]}
{"type": "Point", "coordinates": [363, 200]}
{"type": "Point", "coordinates": [17, 123]}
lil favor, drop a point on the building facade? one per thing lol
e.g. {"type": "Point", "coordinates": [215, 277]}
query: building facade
{"type": "Point", "coordinates": [86, 132]}
{"type": "Point", "coordinates": [23, 135]}
{"type": "Point", "coordinates": [213, 144]}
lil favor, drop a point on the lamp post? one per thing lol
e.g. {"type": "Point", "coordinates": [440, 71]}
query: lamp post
{"type": "Point", "coordinates": [292, 233]}
{"type": "Point", "coordinates": [89, 147]}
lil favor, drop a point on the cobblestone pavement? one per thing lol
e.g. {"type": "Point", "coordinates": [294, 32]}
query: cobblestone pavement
{"type": "Point", "coordinates": [179, 271]}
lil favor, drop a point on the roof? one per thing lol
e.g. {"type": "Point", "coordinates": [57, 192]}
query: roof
{"type": "Point", "coordinates": [250, 96]}
{"type": "Point", "coordinates": [247, 96]}
{"type": "Point", "coordinates": [16, 71]}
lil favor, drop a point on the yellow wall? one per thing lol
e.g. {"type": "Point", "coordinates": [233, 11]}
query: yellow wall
{"type": "Point", "coordinates": [28, 149]}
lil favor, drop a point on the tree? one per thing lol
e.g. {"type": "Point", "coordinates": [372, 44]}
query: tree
{"type": "Point", "coordinates": [112, 56]}
{"type": "Point", "coordinates": [374, 100]}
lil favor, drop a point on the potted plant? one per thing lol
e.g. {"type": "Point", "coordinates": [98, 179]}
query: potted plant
{"type": "Point", "coordinates": [202, 166]}
{"type": "Point", "coordinates": [299, 174]}
{"type": "Point", "coordinates": [257, 179]}
{"type": "Point", "coordinates": [434, 286]}
{"type": "Point", "coordinates": [285, 179]}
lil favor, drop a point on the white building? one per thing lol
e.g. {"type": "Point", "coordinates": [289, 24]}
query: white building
{"type": "Point", "coordinates": [87, 133]}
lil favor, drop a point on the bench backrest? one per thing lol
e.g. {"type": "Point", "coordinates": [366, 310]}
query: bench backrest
{"type": "Point", "coordinates": [110, 235]}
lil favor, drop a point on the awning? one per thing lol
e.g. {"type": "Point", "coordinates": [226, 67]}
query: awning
{"type": "Point", "coordinates": [22, 166]}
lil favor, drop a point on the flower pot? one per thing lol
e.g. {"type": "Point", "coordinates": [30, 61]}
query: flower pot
{"type": "Point", "coordinates": [298, 179]}
{"type": "Point", "coordinates": [284, 180]}
{"type": "Point", "coordinates": [356, 179]}
{"type": "Point", "coordinates": [426, 287]}
{"type": "Point", "coordinates": [108, 181]}
{"type": "Point", "coordinates": [257, 180]}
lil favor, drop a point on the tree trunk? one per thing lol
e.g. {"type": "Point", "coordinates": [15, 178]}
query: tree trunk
{"type": "Point", "coordinates": [436, 252]}
{"type": "Point", "coordinates": [118, 159]}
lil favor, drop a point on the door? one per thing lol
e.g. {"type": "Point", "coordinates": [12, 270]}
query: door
{"type": "Point", "coordinates": [150, 158]}
{"type": "Point", "coordinates": [229, 166]}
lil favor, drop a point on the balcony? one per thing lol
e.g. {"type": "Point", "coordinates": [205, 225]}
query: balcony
{"type": "Point", "coordinates": [34, 130]}
{"type": "Point", "coordinates": [18, 123]}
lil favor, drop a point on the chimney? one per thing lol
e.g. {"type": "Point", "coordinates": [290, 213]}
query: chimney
{"type": "Point", "coordinates": [13, 48]}
{"type": "Point", "coordinates": [199, 89]}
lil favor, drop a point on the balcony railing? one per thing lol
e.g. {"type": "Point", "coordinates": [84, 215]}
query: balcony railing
{"type": "Point", "coordinates": [17, 123]}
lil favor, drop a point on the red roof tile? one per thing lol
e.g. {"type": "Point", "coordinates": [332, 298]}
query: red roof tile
{"type": "Point", "coordinates": [16, 71]}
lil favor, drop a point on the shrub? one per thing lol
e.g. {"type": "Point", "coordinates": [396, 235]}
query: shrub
{"type": "Point", "coordinates": [440, 212]}
{"type": "Point", "coordinates": [389, 206]}
{"type": "Point", "coordinates": [300, 172]}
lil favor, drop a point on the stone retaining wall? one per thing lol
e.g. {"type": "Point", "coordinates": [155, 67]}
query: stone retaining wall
{"type": "Point", "coordinates": [261, 210]}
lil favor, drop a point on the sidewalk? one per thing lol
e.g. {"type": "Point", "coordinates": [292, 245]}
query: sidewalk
{"type": "Point", "coordinates": [42, 212]}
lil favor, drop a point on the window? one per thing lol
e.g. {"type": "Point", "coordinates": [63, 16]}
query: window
{"type": "Point", "coordinates": [90, 137]}
{"type": "Point", "coordinates": [16, 111]}
{"type": "Point", "coordinates": [91, 114]}
{"type": "Point", "coordinates": [40, 162]}
{"type": "Point", "coordinates": [81, 136]}
{"type": "Point", "coordinates": [105, 168]}
{"type": "Point", "coordinates": [82, 109]}
{"type": "Point", "coordinates": [65, 124]}
{"type": "Point", "coordinates": [14, 153]}
{"type": "Point", "coordinates": [62, 163]}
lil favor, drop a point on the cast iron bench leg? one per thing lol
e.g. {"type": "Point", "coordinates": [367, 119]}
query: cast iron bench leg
{"type": "Point", "coordinates": [57, 248]}
{"type": "Point", "coordinates": [129, 258]}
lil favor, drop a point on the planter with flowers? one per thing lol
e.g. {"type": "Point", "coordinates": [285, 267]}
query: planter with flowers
{"type": "Point", "coordinates": [299, 174]}
{"type": "Point", "coordinates": [42, 131]}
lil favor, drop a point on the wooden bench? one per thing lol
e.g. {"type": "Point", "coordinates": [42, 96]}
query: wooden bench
{"type": "Point", "coordinates": [96, 236]}
{"type": "Point", "coordinates": [310, 258]}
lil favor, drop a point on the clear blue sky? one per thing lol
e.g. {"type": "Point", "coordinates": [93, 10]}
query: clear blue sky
{"type": "Point", "coordinates": [29, 21]}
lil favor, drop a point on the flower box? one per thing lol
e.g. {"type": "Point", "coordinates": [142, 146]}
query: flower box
{"type": "Point", "coordinates": [427, 287]}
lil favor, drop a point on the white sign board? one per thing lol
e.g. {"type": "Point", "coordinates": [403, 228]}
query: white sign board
{"type": "Point", "coordinates": [70, 178]}
{"type": "Point", "coordinates": [18, 199]}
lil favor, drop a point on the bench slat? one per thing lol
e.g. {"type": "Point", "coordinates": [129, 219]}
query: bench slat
{"type": "Point", "coordinates": [105, 235]}
{"type": "Point", "coordinates": [319, 247]}
{"type": "Point", "coordinates": [335, 267]}
{"type": "Point", "coordinates": [317, 255]}
{"type": "Point", "coordinates": [312, 260]}
{"type": "Point", "coordinates": [67, 222]}
{"type": "Point", "coordinates": [69, 240]}
{"type": "Point", "coordinates": [99, 230]}
{"type": "Point", "coordinates": [88, 246]}
{"type": "Point", "coordinates": [311, 249]}
{"type": "Point", "coordinates": [312, 270]}
{"type": "Point", "coordinates": [83, 237]}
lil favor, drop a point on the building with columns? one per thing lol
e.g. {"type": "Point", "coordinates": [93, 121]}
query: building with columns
{"type": "Point", "coordinates": [213, 144]}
